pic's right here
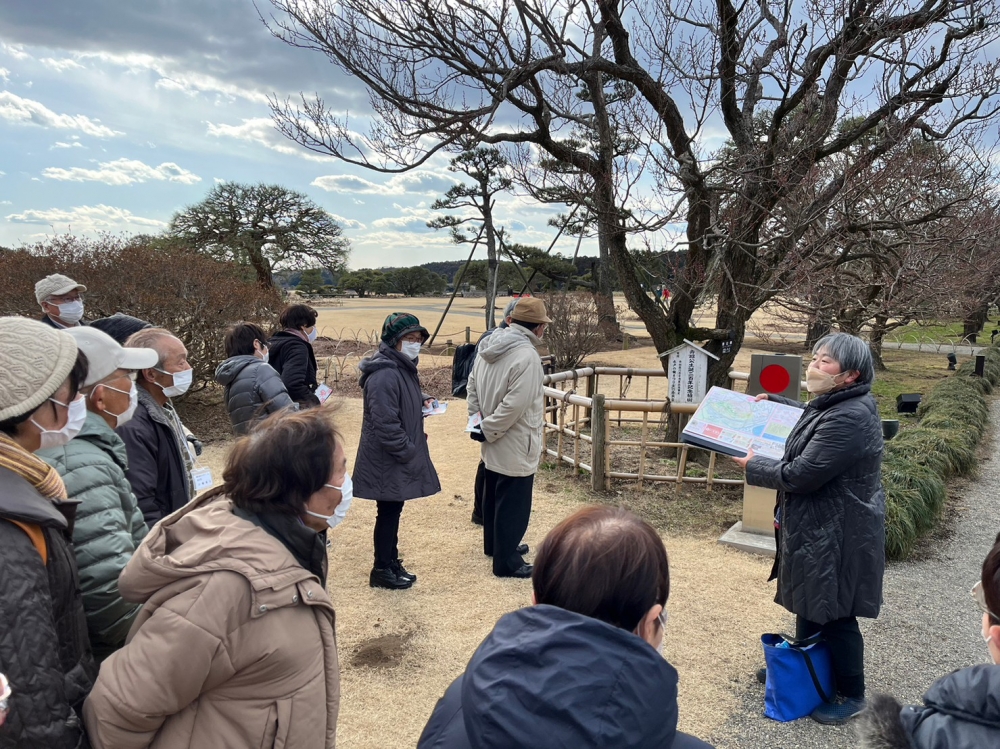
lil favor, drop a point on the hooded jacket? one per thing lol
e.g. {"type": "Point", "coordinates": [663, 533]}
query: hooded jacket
{"type": "Point", "coordinates": [393, 460]}
{"type": "Point", "coordinates": [44, 651]}
{"type": "Point", "coordinates": [550, 677]}
{"type": "Point", "coordinates": [292, 357]}
{"type": "Point", "coordinates": [253, 390]}
{"type": "Point", "coordinates": [108, 527]}
{"type": "Point", "coordinates": [234, 646]}
{"type": "Point", "coordinates": [960, 711]}
{"type": "Point", "coordinates": [832, 529]}
{"type": "Point", "coordinates": [506, 387]}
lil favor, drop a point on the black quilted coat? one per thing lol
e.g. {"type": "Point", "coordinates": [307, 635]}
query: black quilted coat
{"type": "Point", "coordinates": [253, 390]}
{"type": "Point", "coordinates": [44, 648]}
{"type": "Point", "coordinates": [393, 461]}
{"type": "Point", "coordinates": [293, 358]}
{"type": "Point", "coordinates": [832, 507]}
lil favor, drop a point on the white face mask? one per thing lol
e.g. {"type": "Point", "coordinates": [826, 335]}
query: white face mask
{"type": "Point", "coordinates": [411, 349]}
{"type": "Point", "coordinates": [133, 401]}
{"type": "Point", "coordinates": [74, 423]}
{"type": "Point", "coordinates": [312, 334]}
{"type": "Point", "coordinates": [340, 512]}
{"type": "Point", "coordinates": [71, 311]}
{"type": "Point", "coordinates": [264, 355]}
{"type": "Point", "coordinates": [182, 381]}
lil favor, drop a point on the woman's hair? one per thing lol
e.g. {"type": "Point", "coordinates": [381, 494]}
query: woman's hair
{"type": "Point", "coordinates": [297, 316]}
{"type": "Point", "coordinates": [991, 580]}
{"type": "Point", "coordinates": [282, 462]}
{"type": "Point", "coordinates": [77, 376]}
{"type": "Point", "coordinates": [603, 562]}
{"type": "Point", "coordinates": [850, 352]}
{"type": "Point", "coordinates": [240, 337]}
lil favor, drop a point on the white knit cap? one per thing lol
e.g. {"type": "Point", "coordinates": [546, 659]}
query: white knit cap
{"type": "Point", "coordinates": [56, 285]}
{"type": "Point", "coordinates": [35, 360]}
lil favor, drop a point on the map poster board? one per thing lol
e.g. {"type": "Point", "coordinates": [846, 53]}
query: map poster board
{"type": "Point", "coordinates": [732, 423]}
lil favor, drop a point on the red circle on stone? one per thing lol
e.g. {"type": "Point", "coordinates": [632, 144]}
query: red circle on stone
{"type": "Point", "coordinates": [774, 378]}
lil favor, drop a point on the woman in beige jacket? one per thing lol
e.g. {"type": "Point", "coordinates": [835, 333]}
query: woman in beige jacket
{"type": "Point", "coordinates": [235, 644]}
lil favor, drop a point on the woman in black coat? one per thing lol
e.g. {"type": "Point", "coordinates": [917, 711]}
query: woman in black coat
{"type": "Point", "coordinates": [291, 353]}
{"type": "Point", "coordinates": [960, 709]}
{"type": "Point", "coordinates": [393, 462]}
{"type": "Point", "coordinates": [831, 512]}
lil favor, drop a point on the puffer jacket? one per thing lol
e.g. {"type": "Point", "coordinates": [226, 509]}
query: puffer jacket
{"type": "Point", "coordinates": [157, 460]}
{"type": "Point", "coordinates": [253, 390]}
{"type": "Point", "coordinates": [292, 356]}
{"type": "Point", "coordinates": [393, 461]}
{"type": "Point", "coordinates": [960, 711]}
{"type": "Point", "coordinates": [109, 527]}
{"type": "Point", "coordinates": [506, 386]}
{"type": "Point", "coordinates": [832, 508]}
{"type": "Point", "coordinates": [44, 650]}
{"type": "Point", "coordinates": [234, 646]}
{"type": "Point", "coordinates": [550, 677]}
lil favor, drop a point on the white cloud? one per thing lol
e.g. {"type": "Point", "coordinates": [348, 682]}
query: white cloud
{"type": "Point", "coordinates": [261, 130]}
{"type": "Point", "coordinates": [4, 75]}
{"type": "Point", "coordinates": [60, 144]}
{"type": "Point", "coordinates": [402, 223]}
{"type": "Point", "coordinates": [124, 172]}
{"type": "Point", "coordinates": [422, 182]}
{"type": "Point", "coordinates": [347, 223]}
{"type": "Point", "coordinates": [85, 218]}
{"type": "Point", "coordinates": [14, 50]}
{"type": "Point", "coordinates": [5, 202]}
{"type": "Point", "coordinates": [15, 109]}
{"type": "Point", "coordinates": [60, 66]}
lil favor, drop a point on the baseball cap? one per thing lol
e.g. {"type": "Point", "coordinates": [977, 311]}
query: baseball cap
{"type": "Point", "coordinates": [56, 285]}
{"type": "Point", "coordinates": [531, 309]}
{"type": "Point", "coordinates": [105, 354]}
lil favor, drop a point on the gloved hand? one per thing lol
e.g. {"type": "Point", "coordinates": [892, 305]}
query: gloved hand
{"type": "Point", "coordinates": [477, 435]}
{"type": "Point", "coordinates": [196, 444]}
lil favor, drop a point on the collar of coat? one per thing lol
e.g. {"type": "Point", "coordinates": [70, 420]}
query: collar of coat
{"type": "Point", "coordinates": [826, 400]}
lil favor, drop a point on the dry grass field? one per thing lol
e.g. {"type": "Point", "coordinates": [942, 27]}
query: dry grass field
{"type": "Point", "coordinates": [400, 649]}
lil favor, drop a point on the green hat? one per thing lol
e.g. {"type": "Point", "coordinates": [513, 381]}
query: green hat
{"type": "Point", "coordinates": [399, 324]}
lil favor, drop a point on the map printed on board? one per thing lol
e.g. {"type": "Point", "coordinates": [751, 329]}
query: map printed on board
{"type": "Point", "coordinates": [731, 423]}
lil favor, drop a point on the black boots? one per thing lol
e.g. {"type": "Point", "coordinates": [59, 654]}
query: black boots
{"type": "Point", "coordinates": [393, 577]}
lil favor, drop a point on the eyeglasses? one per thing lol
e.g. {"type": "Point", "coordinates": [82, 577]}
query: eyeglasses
{"type": "Point", "coordinates": [979, 596]}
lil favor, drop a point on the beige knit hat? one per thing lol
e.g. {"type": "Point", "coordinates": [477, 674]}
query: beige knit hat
{"type": "Point", "coordinates": [35, 360]}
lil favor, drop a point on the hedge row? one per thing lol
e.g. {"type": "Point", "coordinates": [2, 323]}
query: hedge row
{"type": "Point", "coordinates": [917, 463]}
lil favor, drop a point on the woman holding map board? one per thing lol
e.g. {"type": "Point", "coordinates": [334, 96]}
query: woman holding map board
{"type": "Point", "coordinates": [831, 512]}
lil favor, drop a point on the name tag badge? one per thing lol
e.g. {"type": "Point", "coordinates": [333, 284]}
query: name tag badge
{"type": "Point", "coordinates": [202, 478]}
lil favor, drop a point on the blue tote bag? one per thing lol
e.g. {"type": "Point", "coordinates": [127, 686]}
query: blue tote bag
{"type": "Point", "coordinates": [799, 676]}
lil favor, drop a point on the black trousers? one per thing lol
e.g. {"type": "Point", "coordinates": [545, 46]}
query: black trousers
{"type": "Point", "coordinates": [477, 504]}
{"type": "Point", "coordinates": [847, 651]}
{"type": "Point", "coordinates": [387, 533]}
{"type": "Point", "coordinates": [506, 511]}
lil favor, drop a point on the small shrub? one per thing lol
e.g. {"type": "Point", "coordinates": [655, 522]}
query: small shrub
{"type": "Point", "coordinates": [574, 332]}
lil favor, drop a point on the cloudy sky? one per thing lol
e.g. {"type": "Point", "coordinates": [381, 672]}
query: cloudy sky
{"type": "Point", "coordinates": [114, 115]}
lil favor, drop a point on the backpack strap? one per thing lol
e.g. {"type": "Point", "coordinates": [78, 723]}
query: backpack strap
{"type": "Point", "coordinates": [37, 537]}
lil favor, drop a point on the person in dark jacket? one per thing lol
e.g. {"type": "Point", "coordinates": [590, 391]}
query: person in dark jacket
{"type": "Point", "coordinates": [292, 356]}
{"type": "Point", "coordinates": [960, 710]}
{"type": "Point", "coordinates": [109, 526]}
{"type": "Point", "coordinates": [831, 512]}
{"type": "Point", "coordinates": [120, 327]}
{"type": "Point", "coordinates": [393, 462]}
{"type": "Point", "coordinates": [253, 388]}
{"type": "Point", "coordinates": [480, 485]}
{"type": "Point", "coordinates": [580, 667]}
{"type": "Point", "coordinates": [44, 649]}
{"type": "Point", "coordinates": [61, 300]}
{"type": "Point", "coordinates": [159, 460]}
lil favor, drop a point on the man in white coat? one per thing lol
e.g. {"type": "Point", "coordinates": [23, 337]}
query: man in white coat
{"type": "Point", "coordinates": [505, 387]}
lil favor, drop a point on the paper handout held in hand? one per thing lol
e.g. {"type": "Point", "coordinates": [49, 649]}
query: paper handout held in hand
{"type": "Point", "coordinates": [733, 423]}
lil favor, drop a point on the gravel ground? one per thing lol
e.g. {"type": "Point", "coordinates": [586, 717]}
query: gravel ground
{"type": "Point", "coordinates": [929, 624]}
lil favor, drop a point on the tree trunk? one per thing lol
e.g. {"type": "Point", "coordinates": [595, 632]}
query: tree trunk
{"type": "Point", "coordinates": [816, 329]}
{"type": "Point", "coordinates": [262, 268]}
{"type": "Point", "coordinates": [492, 263]}
{"type": "Point", "coordinates": [975, 319]}
{"type": "Point", "coordinates": [875, 339]}
{"type": "Point", "coordinates": [607, 316]}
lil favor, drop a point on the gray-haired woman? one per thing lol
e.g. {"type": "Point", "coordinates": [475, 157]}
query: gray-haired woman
{"type": "Point", "coordinates": [831, 512]}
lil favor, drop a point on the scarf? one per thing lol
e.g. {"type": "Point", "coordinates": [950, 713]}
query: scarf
{"type": "Point", "coordinates": [32, 469]}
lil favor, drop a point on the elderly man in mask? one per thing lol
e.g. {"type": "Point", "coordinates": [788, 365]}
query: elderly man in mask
{"type": "Point", "coordinates": [159, 460]}
{"type": "Point", "coordinates": [61, 299]}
